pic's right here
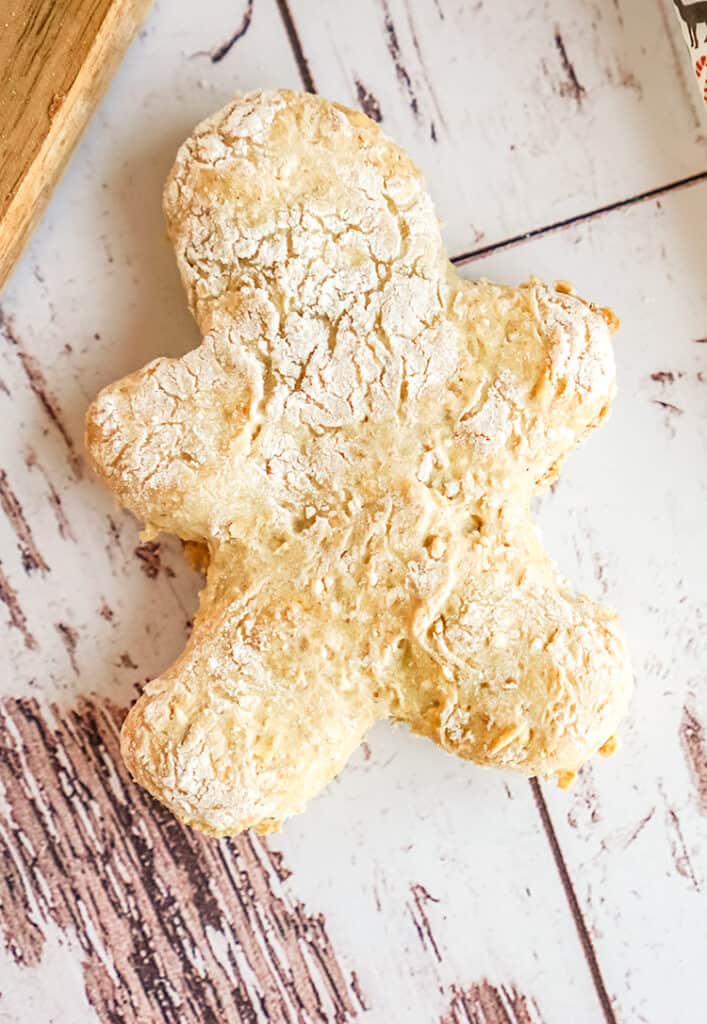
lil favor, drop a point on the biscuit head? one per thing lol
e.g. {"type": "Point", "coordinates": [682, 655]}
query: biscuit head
{"type": "Point", "coordinates": [356, 442]}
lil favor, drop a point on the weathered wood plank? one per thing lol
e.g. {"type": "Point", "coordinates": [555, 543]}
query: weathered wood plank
{"type": "Point", "coordinates": [55, 61]}
{"type": "Point", "coordinates": [454, 888]}
{"type": "Point", "coordinates": [417, 909]}
{"type": "Point", "coordinates": [171, 926]}
{"type": "Point", "coordinates": [626, 522]}
{"type": "Point", "coordinates": [520, 116]}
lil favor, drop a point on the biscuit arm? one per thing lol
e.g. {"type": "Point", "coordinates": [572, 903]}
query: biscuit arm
{"type": "Point", "coordinates": [162, 437]}
{"type": "Point", "coordinates": [261, 711]}
{"type": "Point", "coordinates": [536, 377]}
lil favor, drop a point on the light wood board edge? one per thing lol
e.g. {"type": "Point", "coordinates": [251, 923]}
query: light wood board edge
{"type": "Point", "coordinates": [61, 126]}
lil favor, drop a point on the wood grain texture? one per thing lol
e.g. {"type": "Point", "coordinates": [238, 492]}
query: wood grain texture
{"type": "Point", "coordinates": [431, 889]}
{"type": "Point", "coordinates": [56, 58]}
{"type": "Point", "coordinates": [627, 524]}
{"type": "Point", "coordinates": [216, 935]}
{"type": "Point", "coordinates": [521, 115]}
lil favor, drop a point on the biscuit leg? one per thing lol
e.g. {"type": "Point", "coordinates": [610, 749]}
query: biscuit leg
{"type": "Point", "coordinates": [261, 711]}
{"type": "Point", "coordinates": [532, 677]}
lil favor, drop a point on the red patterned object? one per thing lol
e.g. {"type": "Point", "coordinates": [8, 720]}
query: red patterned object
{"type": "Point", "coordinates": [693, 18]}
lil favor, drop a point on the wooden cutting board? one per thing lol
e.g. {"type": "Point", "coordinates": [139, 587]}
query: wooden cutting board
{"type": "Point", "coordinates": [56, 59]}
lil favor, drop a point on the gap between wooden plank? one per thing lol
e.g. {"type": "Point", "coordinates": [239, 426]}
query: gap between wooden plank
{"type": "Point", "coordinates": [305, 71]}
{"type": "Point", "coordinates": [580, 924]}
{"type": "Point", "coordinates": [507, 243]}
{"type": "Point", "coordinates": [579, 218]}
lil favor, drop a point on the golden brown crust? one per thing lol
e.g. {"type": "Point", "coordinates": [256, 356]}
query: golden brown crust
{"type": "Point", "coordinates": [356, 441]}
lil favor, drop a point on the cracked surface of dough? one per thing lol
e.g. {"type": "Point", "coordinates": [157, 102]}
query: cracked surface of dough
{"type": "Point", "coordinates": [356, 441]}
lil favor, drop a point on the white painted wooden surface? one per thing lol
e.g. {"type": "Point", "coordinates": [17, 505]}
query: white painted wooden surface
{"type": "Point", "coordinates": [540, 110]}
{"type": "Point", "coordinates": [435, 879]}
{"type": "Point", "coordinates": [627, 523]}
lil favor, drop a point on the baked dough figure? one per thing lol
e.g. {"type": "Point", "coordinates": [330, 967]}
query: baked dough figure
{"type": "Point", "coordinates": [356, 440]}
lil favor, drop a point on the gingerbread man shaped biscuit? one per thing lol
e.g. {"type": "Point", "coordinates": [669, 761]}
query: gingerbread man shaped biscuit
{"type": "Point", "coordinates": [356, 442]}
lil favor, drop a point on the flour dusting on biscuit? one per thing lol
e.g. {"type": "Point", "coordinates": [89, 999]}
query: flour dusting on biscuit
{"type": "Point", "coordinates": [355, 443]}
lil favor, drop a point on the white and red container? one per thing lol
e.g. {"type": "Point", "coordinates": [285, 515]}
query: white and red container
{"type": "Point", "coordinates": [693, 19]}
